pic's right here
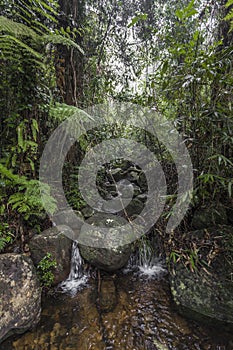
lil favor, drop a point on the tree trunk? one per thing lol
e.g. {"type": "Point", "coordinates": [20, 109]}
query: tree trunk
{"type": "Point", "coordinates": [70, 61]}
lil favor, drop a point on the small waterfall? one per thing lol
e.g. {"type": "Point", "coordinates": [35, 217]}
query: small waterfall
{"type": "Point", "coordinates": [149, 264]}
{"type": "Point", "coordinates": [145, 261]}
{"type": "Point", "coordinates": [77, 277]}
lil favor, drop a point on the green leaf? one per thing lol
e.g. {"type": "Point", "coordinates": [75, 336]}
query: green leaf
{"type": "Point", "coordinates": [187, 12]}
{"type": "Point", "coordinates": [136, 19]}
{"type": "Point", "coordinates": [14, 41]}
{"type": "Point", "coordinates": [35, 129]}
{"type": "Point", "coordinates": [20, 136]}
{"type": "Point", "coordinates": [179, 14]}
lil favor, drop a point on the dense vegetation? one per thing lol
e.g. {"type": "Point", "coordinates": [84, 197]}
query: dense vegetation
{"type": "Point", "coordinates": [56, 56]}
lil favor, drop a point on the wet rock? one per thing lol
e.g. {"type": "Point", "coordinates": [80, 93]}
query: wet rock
{"type": "Point", "coordinates": [20, 292]}
{"type": "Point", "coordinates": [106, 250]}
{"type": "Point", "coordinates": [209, 216]}
{"type": "Point", "coordinates": [207, 293]}
{"type": "Point", "coordinates": [53, 241]}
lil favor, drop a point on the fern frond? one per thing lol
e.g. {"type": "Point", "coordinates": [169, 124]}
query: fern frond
{"type": "Point", "coordinates": [27, 197]}
{"type": "Point", "coordinates": [229, 3]}
{"type": "Point", "coordinates": [17, 29]}
{"type": "Point", "coordinates": [11, 40]}
{"type": "Point", "coordinates": [62, 111]}
{"type": "Point", "coordinates": [31, 9]}
{"type": "Point", "coordinates": [229, 16]}
{"type": "Point", "coordinates": [6, 173]}
{"type": "Point", "coordinates": [60, 39]}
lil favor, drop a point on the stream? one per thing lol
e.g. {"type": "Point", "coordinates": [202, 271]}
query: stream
{"type": "Point", "coordinates": [129, 310]}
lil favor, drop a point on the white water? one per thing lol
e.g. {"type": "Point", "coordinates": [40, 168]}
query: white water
{"type": "Point", "coordinates": [77, 278]}
{"type": "Point", "coordinates": [145, 263]}
{"type": "Point", "coordinates": [149, 265]}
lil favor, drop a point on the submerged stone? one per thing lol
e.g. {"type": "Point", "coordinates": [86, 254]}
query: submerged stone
{"type": "Point", "coordinates": [107, 295]}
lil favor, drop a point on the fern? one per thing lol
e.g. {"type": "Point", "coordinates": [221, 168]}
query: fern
{"type": "Point", "coordinates": [15, 28]}
{"type": "Point", "coordinates": [229, 3]}
{"type": "Point", "coordinates": [26, 198]}
{"type": "Point", "coordinates": [29, 11]}
{"type": "Point", "coordinates": [229, 16]}
{"type": "Point", "coordinates": [62, 111]}
{"type": "Point", "coordinates": [16, 32]}
{"type": "Point", "coordinates": [16, 44]}
{"type": "Point", "coordinates": [55, 39]}
{"type": "Point", "coordinates": [6, 236]}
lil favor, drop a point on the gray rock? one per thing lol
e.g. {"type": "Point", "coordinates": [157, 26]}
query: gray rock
{"type": "Point", "coordinates": [56, 242]}
{"type": "Point", "coordinates": [209, 216]}
{"type": "Point", "coordinates": [88, 212]}
{"type": "Point", "coordinates": [135, 207]}
{"type": "Point", "coordinates": [20, 303]}
{"type": "Point", "coordinates": [71, 218]}
{"type": "Point", "coordinates": [207, 293]}
{"type": "Point", "coordinates": [109, 258]}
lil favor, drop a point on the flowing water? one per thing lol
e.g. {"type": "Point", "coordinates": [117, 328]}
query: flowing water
{"type": "Point", "coordinates": [77, 277]}
{"type": "Point", "coordinates": [130, 310]}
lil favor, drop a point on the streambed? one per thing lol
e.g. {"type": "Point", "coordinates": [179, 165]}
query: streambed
{"type": "Point", "coordinates": [118, 312]}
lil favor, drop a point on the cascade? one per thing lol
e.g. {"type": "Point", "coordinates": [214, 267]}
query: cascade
{"type": "Point", "coordinates": [145, 261]}
{"type": "Point", "coordinates": [148, 263]}
{"type": "Point", "coordinates": [77, 277]}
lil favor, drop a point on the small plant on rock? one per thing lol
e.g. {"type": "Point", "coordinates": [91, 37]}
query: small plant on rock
{"type": "Point", "coordinates": [45, 272]}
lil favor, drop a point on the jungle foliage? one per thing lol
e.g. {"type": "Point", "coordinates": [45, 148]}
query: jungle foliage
{"type": "Point", "coordinates": [56, 56]}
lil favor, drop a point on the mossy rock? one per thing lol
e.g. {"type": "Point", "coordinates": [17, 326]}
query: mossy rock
{"type": "Point", "coordinates": [56, 242]}
{"type": "Point", "coordinates": [207, 293]}
{"type": "Point", "coordinates": [111, 256]}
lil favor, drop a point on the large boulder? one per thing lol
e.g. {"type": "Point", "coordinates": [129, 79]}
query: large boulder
{"type": "Point", "coordinates": [56, 242]}
{"type": "Point", "coordinates": [207, 293]}
{"type": "Point", "coordinates": [209, 216]}
{"type": "Point", "coordinates": [20, 302]}
{"type": "Point", "coordinates": [95, 251]}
